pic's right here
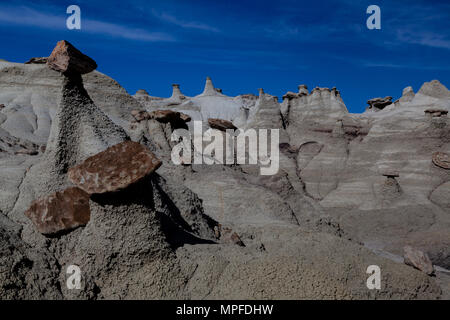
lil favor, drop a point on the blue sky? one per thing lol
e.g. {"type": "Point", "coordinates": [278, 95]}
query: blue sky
{"type": "Point", "coordinates": [244, 45]}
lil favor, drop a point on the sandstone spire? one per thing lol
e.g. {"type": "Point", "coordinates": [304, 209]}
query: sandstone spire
{"type": "Point", "coordinates": [176, 92]}
{"type": "Point", "coordinates": [261, 92]}
{"type": "Point", "coordinates": [209, 88]}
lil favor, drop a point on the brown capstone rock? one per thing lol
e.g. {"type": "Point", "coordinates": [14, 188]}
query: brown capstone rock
{"type": "Point", "coordinates": [166, 116]}
{"type": "Point", "coordinates": [60, 211]}
{"type": "Point", "coordinates": [441, 159]}
{"type": "Point", "coordinates": [436, 112]}
{"type": "Point", "coordinates": [290, 95]}
{"type": "Point", "coordinates": [379, 103]}
{"type": "Point", "coordinates": [115, 168]}
{"type": "Point", "coordinates": [66, 58]}
{"type": "Point", "coordinates": [221, 124]}
{"type": "Point", "coordinates": [418, 259]}
{"type": "Point", "coordinates": [391, 173]}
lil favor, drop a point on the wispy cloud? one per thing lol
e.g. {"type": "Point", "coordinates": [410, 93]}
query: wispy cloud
{"type": "Point", "coordinates": [430, 39]}
{"type": "Point", "coordinates": [168, 18]}
{"type": "Point", "coordinates": [24, 16]}
{"type": "Point", "coordinates": [411, 66]}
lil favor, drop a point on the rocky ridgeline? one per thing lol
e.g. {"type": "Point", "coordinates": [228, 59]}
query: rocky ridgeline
{"type": "Point", "coordinates": [96, 188]}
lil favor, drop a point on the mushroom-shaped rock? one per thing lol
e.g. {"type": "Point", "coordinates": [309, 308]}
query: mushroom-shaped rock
{"type": "Point", "coordinates": [176, 93]}
{"type": "Point", "coordinates": [38, 60]}
{"type": "Point", "coordinates": [260, 92]}
{"type": "Point", "coordinates": [390, 173]}
{"type": "Point", "coordinates": [60, 211]}
{"type": "Point", "coordinates": [221, 124]}
{"type": "Point", "coordinates": [441, 159]}
{"type": "Point", "coordinates": [142, 92]}
{"type": "Point", "coordinates": [290, 95]}
{"type": "Point", "coordinates": [303, 89]}
{"type": "Point", "coordinates": [407, 95]}
{"type": "Point", "coordinates": [209, 88]}
{"type": "Point", "coordinates": [418, 259]}
{"type": "Point", "coordinates": [66, 58]}
{"type": "Point", "coordinates": [379, 103]}
{"type": "Point", "coordinates": [166, 116]}
{"type": "Point", "coordinates": [115, 168]}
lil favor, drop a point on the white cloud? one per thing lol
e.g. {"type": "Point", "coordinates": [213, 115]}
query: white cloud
{"type": "Point", "coordinates": [24, 16]}
{"type": "Point", "coordinates": [184, 24]}
{"type": "Point", "coordinates": [429, 39]}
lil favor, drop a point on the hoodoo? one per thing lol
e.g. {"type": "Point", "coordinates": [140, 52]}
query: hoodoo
{"type": "Point", "coordinates": [209, 88]}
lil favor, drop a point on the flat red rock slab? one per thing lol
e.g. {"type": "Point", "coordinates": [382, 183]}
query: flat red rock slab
{"type": "Point", "coordinates": [221, 124]}
{"type": "Point", "coordinates": [66, 58]}
{"type": "Point", "coordinates": [60, 211]}
{"type": "Point", "coordinates": [441, 159]}
{"type": "Point", "coordinates": [115, 168]}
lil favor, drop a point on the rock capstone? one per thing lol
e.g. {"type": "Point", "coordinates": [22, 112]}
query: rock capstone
{"type": "Point", "coordinates": [436, 112]}
{"type": "Point", "coordinates": [221, 124]}
{"type": "Point", "coordinates": [66, 58]}
{"type": "Point", "coordinates": [166, 116]}
{"type": "Point", "coordinates": [379, 103]}
{"type": "Point", "coordinates": [303, 90]}
{"type": "Point", "coordinates": [115, 168]}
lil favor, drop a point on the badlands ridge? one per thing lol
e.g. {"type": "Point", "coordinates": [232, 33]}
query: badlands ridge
{"type": "Point", "coordinates": [86, 179]}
